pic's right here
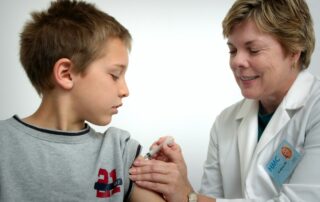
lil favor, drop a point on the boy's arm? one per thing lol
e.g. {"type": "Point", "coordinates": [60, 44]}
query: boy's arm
{"type": "Point", "coordinates": [139, 194]}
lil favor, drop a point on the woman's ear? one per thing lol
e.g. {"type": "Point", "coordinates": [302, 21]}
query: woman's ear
{"type": "Point", "coordinates": [62, 73]}
{"type": "Point", "coordinates": [295, 58]}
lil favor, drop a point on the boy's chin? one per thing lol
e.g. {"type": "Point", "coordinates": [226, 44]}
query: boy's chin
{"type": "Point", "coordinates": [102, 122]}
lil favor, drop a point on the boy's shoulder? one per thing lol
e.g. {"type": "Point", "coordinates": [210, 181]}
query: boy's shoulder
{"type": "Point", "coordinates": [4, 124]}
{"type": "Point", "coordinates": [120, 137]}
{"type": "Point", "coordinates": [117, 132]}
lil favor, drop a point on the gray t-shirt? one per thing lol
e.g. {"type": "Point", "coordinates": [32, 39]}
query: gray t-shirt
{"type": "Point", "coordinates": [38, 164]}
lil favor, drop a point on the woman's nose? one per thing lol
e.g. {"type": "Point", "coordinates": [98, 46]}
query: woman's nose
{"type": "Point", "coordinates": [239, 60]}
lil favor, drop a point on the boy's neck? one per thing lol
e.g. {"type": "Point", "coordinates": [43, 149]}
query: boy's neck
{"type": "Point", "coordinates": [54, 113]}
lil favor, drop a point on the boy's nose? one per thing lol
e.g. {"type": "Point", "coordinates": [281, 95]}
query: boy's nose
{"type": "Point", "coordinates": [123, 91]}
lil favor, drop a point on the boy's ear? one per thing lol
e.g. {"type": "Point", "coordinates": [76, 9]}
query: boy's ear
{"type": "Point", "coordinates": [62, 73]}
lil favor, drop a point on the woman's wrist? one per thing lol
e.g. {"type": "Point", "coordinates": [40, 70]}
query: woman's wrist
{"type": "Point", "coordinates": [193, 196]}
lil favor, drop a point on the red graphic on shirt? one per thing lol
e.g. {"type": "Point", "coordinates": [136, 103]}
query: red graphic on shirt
{"type": "Point", "coordinates": [103, 187]}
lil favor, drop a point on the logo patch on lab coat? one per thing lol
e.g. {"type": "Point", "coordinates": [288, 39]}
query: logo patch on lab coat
{"type": "Point", "coordinates": [283, 162]}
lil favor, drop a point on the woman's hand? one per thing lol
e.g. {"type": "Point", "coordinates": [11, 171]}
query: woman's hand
{"type": "Point", "coordinates": [166, 173]}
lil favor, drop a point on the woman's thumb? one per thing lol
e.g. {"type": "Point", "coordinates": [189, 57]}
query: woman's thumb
{"type": "Point", "coordinates": [172, 152]}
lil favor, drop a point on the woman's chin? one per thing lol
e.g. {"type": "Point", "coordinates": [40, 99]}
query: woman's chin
{"type": "Point", "coordinates": [249, 95]}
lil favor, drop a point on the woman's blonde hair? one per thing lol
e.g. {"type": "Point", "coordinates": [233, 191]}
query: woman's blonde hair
{"type": "Point", "coordinates": [289, 21]}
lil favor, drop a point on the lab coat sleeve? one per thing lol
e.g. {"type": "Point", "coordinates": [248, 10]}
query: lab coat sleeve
{"type": "Point", "coordinates": [211, 184]}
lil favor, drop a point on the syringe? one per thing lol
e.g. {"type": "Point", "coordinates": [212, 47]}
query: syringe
{"type": "Point", "coordinates": [168, 141]}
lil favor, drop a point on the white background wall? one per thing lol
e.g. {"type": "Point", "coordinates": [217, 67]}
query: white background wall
{"type": "Point", "coordinates": [179, 77]}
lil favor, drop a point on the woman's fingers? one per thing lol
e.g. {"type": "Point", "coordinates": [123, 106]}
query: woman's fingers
{"type": "Point", "coordinates": [160, 141]}
{"type": "Point", "coordinates": [166, 173]}
{"type": "Point", "coordinates": [168, 178]}
{"type": "Point", "coordinates": [168, 153]}
{"type": "Point", "coordinates": [160, 178]}
{"type": "Point", "coordinates": [151, 166]}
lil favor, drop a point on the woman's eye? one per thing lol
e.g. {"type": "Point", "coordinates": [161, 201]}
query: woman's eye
{"type": "Point", "coordinates": [232, 52]}
{"type": "Point", "coordinates": [254, 51]}
{"type": "Point", "coordinates": [114, 77]}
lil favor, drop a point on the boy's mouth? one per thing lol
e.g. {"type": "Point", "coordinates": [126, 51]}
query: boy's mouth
{"type": "Point", "coordinates": [117, 106]}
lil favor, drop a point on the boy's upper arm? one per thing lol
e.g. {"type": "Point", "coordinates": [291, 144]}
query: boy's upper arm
{"type": "Point", "coordinates": [139, 194]}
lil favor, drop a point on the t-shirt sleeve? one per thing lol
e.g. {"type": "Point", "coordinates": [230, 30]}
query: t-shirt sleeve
{"type": "Point", "coordinates": [131, 149]}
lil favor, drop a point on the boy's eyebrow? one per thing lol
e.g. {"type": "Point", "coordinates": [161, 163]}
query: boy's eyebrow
{"type": "Point", "coordinates": [120, 66]}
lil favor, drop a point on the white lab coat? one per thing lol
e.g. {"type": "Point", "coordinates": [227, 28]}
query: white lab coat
{"type": "Point", "coordinates": [234, 169]}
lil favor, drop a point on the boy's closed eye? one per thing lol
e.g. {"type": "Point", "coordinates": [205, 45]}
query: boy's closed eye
{"type": "Point", "coordinates": [114, 76]}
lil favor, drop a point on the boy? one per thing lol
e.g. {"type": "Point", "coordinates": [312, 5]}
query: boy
{"type": "Point", "coordinates": [76, 57]}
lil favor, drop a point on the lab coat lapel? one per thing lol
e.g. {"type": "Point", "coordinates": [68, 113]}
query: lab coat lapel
{"type": "Point", "coordinates": [247, 134]}
{"type": "Point", "coordinates": [292, 102]}
{"type": "Point", "coordinates": [279, 119]}
{"type": "Point", "coordinates": [248, 121]}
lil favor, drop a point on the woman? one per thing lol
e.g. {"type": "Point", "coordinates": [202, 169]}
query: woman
{"type": "Point", "coordinates": [271, 43]}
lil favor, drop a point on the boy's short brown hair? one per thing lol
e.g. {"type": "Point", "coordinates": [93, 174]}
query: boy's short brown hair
{"type": "Point", "coordinates": [289, 21]}
{"type": "Point", "coordinates": [68, 29]}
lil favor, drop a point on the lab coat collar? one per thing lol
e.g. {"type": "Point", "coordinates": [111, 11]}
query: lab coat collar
{"type": "Point", "coordinates": [291, 103]}
{"type": "Point", "coordinates": [295, 98]}
{"type": "Point", "coordinates": [248, 127]}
